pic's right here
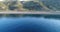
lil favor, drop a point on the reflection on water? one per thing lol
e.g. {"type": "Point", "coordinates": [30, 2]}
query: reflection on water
{"type": "Point", "coordinates": [30, 15]}
{"type": "Point", "coordinates": [29, 24]}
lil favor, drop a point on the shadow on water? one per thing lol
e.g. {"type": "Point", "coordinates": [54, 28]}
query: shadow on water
{"type": "Point", "coordinates": [29, 23]}
{"type": "Point", "coordinates": [30, 15]}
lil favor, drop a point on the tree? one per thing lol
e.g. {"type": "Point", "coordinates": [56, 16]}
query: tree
{"type": "Point", "coordinates": [2, 6]}
{"type": "Point", "coordinates": [31, 5]}
{"type": "Point", "coordinates": [41, 3]}
{"type": "Point", "coordinates": [53, 4]}
{"type": "Point", "coordinates": [20, 6]}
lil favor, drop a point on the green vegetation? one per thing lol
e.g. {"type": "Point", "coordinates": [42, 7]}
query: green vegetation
{"type": "Point", "coordinates": [10, 5]}
{"type": "Point", "coordinates": [52, 4]}
{"type": "Point", "coordinates": [21, 5]}
{"type": "Point", "coordinates": [35, 5]}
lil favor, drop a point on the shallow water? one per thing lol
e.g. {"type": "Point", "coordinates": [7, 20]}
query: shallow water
{"type": "Point", "coordinates": [29, 24]}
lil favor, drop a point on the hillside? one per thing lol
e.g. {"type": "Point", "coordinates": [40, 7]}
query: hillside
{"type": "Point", "coordinates": [36, 5]}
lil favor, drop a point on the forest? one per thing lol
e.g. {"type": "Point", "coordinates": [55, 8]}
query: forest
{"type": "Point", "coordinates": [36, 5]}
{"type": "Point", "coordinates": [28, 6]}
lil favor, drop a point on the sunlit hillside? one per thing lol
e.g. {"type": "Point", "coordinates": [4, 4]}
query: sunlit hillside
{"type": "Point", "coordinates": [27, 5]}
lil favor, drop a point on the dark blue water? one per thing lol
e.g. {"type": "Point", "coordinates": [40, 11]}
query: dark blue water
{"type": "Point", "coordinates": [29, 24]}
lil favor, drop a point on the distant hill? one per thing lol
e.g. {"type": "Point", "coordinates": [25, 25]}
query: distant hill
{"type": "Point", "coordinates": [31, 5]}
{"type": "Point", "coordinates": [52, 4]}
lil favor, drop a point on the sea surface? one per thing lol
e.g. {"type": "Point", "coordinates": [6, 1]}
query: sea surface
{"type": "Point", "coordinates": [29, 24]}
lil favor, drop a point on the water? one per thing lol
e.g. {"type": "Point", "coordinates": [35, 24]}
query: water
{"type": "Point", "coordinates": [29, 24]}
